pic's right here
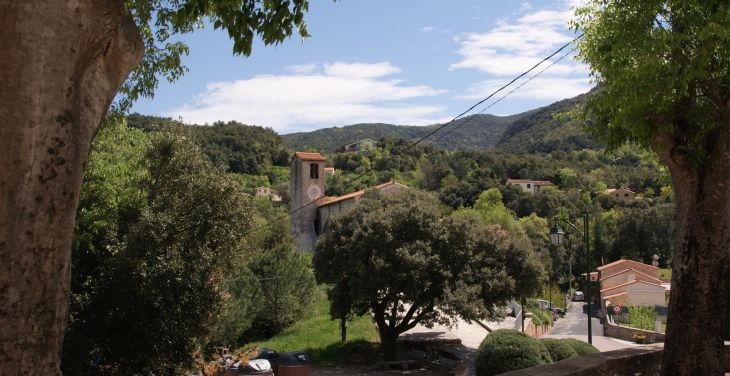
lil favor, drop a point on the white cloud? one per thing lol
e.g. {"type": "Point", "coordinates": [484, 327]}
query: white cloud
{"type": "Point", "coordinates": [302, 69]}
{"type": "Point", "coordinates": [426, 29]}
{"type": "Point", "coordinates": [343, 94]}
{"type": "Point", "coordinates": [360, 70]}
{"type": "Point", "coordinates": [525, 7]}
{"type": "Point", "coordinates": [514, 46]}
{"type": "Point", "coordinates": [542, 88]}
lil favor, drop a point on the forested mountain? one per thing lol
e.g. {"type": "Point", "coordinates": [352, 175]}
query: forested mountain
{"type": "Point", "coordinates": [541, 132]}
{"type": "Point", "coordinates": [244, 149]}
{"type": "Point", "coordinates": [478, 132]}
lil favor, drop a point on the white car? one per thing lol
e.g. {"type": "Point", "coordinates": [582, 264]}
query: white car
{"type": "Point", "coordinates": [578, 296]}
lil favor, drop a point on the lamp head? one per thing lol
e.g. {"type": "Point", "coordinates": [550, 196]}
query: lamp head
{"type": "Point", "coordinates": [556, 235]}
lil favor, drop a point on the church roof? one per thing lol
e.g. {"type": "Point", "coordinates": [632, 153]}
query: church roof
{"type": "Point", "coordinates": [359, 193]}
{"type": "Point", "coordinates": [309, 156]}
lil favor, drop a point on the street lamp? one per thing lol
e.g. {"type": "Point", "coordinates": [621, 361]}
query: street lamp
{"type": "Point", "coordinates": [556, 237]}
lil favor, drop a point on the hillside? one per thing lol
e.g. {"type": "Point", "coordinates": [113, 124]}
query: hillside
{"type": "Point", "coordinates": [479, 132]}
{"type": "Point", "coordinates": [539, 132]}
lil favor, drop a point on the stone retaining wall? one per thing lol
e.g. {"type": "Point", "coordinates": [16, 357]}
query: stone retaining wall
{"type": "Point", "coordinates": [639, 360]}
{"type": "Point", "coordinates": [627, 334]}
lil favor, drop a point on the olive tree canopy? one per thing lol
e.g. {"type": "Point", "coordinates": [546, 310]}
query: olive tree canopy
{"type": "Point", "coordinates": [395, 256]}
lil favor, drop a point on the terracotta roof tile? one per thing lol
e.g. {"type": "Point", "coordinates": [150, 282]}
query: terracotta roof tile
{"type": "Point", "coordinates": [309, 156]}
{"type": "Point", "coordinates": [622, 261]}
{"type": "Point", "coordinates": [358, 193]}
{"type": "Point", "coordinates": [632, 270]}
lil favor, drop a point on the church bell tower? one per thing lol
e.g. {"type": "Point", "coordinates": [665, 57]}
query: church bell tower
{"type": "Point", "coordinates": [307, 193]}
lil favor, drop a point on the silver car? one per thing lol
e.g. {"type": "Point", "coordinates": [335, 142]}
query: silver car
{"type": "Point", "coordinates": [578, 296]}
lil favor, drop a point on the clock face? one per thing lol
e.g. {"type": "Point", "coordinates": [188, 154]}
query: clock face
{"type": "Point", "coordinates": [313, 192]}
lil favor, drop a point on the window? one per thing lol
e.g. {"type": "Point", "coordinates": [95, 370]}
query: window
{"type": "Point", "coordinates": [313, 171]}
{"type": "Point", "coordinates": [528, 185]}
{"type": "Point", "coordinates": [626, 195]}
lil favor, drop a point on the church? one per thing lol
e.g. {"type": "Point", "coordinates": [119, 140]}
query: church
{"type": "Point", "coordinates": [310, 210]}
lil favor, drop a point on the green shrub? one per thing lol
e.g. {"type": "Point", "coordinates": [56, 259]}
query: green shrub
{"type": "Point", "coordinates": [541, 317]}
{"type": "Point", "coordinates": [558, 349]}
{"type": "Point", "coordinates": [507, 350]}
{"type": "Point", "coordinates": [582, 348]}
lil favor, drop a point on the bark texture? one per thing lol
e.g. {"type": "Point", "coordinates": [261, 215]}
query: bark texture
{"type": "Point", "coordinates": [695, 323]}
{"type": "Point", "coordinates": [63, 62]}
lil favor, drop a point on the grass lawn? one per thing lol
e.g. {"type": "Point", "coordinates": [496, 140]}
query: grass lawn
{"type": "Point", "coordinates": [665, 273]}
{"type": "Point", "coordinates": [664, 326]}
{"type": "Point", "coordinates": [321, 338]}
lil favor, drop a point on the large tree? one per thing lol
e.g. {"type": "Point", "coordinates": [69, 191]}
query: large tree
{"type": "Point", "coordinates": [154, 239]}
{"type": "Point", "coordinates": [398, 258]}
{"type": "Point", "coordinates": [663, 74]}
{"type": "Point", "coordinates": [63, 64]}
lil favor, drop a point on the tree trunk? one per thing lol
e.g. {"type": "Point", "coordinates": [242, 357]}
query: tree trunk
{"type": "Point", "coordinates": [390, 345]}
{"type": "Point", "coordinates": [695, 323]}
{"type": "Point", "coordinates": [63, 62]}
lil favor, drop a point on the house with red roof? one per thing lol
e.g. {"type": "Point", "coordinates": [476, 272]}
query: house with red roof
{"type": "Point", "coordinates": [630, 282]}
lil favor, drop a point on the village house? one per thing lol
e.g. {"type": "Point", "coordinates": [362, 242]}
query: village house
{"type": "Point", "coordinates": [622, 194]}
{"type": "Point", "coordinates": [261, 193]}
{"type": "Point", "coordinates": [310, 210]}
{"type": "Point", "coordinates": [630, 282]}
{"type": "Point", "coordinates": [530, 185]}
{"type": "Point", "coordinates": [360, 145]}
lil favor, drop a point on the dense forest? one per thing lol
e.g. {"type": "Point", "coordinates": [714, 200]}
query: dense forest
{"type": "Point", "coordinates": [547, 129]}
{"type": "Point", "coordinates": [243, 149]}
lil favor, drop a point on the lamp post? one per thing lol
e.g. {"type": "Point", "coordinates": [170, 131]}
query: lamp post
{"type": "Point", "coordinates": [550, 291]}
{"type": "Point", "coordinates": [556, 237]}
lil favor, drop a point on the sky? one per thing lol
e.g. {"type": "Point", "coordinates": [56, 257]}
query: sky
{"type": "Point", "coordinates": [405, 62]}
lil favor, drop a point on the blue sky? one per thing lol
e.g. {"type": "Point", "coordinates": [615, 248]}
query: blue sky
{"type": "Point", "coordinates": [406, 62]}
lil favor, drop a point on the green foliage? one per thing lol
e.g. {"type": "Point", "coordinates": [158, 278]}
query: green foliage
{"type": "Point", "coordinates": [158, 20]}
{"type": "Point", "coordinates": [507, 350]}
{"type": "Point", "coordinates": [264, 296]}
{"type": "Point", "coordinates": [568, 178]}
{"type": "Point", "coordinates": [287, 286]}
{"type": "Point", "coordinates": [580, 347]}
{"type": "Point", "coordinates": [664, 65]}
{"type": "Point", "coordinates": [551, 290]}
{"type": "Point", "coordinates": [321, 338]}
{"type": "Point", "coordinates": [148, 264]}
{"type": "Point", "coordinates": [397, 257]}
{"type": "Point", "coordinates": [642, 317]}
{"type": "Point", "coordinates": [558, 349]}
{"type": "Point", "coordinates": [240, 148]}
{"type": "Point", "coordinates": [490, 210]}
{"type": "Point", "coordinates": [547, 132]}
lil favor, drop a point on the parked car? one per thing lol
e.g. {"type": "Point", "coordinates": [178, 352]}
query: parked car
{"type": "Point", "coordinates": [578, 296]}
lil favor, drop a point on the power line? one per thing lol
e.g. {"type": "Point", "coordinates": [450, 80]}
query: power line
{"type": "Point", "coordinates": [358, 177]}
{"type": "Point", "coordinates": [500, 99]}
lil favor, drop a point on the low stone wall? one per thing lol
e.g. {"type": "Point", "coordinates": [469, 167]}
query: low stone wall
{"type": "Point", "coordinates": [639, 360]}
{"type": "Point", "coordinates": [536, 330]}
{"type": "Point", "coordinates": [627, 334]}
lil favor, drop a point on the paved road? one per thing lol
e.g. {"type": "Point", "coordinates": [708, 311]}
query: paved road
{"type": "Point", "coordinates": [575, 325]}
{"type": "Point", "coordinates": [575, 322]}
